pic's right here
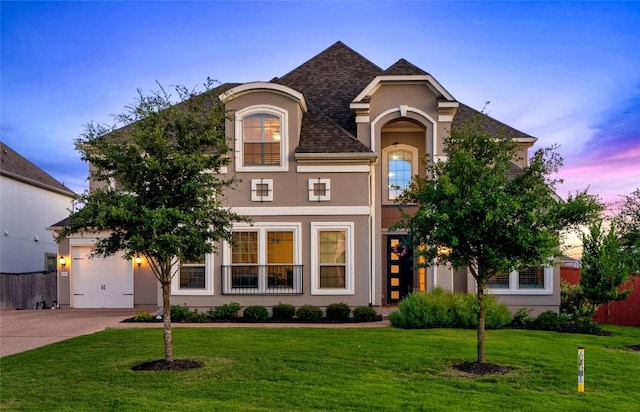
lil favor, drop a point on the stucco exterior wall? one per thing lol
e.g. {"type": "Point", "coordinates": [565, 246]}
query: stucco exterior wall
{"type": "Point", "coordinates": [27, 211]}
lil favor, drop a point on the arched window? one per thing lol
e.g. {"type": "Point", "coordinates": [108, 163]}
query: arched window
{"type": "Point", "coordinates": [261, 139]}
{"type": "Point", "coordinates": [401, 165]}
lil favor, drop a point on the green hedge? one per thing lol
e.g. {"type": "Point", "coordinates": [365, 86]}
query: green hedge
{"type": "Point", "coordinates": [440, 309]}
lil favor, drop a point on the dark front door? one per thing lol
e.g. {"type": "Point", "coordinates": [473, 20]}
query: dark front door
{"type": "Point", "coordinates": [399, 269]}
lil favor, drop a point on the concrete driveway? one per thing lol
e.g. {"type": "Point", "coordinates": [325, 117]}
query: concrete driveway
{"type": "Point", "coordinates": [22, 330]}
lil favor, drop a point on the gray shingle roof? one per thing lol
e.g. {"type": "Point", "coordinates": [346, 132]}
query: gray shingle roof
{"type": "Point", "coordinates": [331, 80]}
{"type": "Point", "coordinates": [15, 166]}
{"type": "Point", "coordinates": [404, 68]}
{"type": "Point", "coordinates": [320, 134]}
{"type": "Point", "coordinates": [491, 125]}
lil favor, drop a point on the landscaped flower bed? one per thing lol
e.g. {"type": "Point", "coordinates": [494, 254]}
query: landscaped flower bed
{"type": "Point", "coordinates": [282, 313]}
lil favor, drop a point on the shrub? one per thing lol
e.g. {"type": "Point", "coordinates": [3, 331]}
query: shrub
{"type": "Point", "coordinates": [309, 313]}
{"type": "Point", "coordinates": [588, 326]}
{"type": "Point", "coordinates": [440, 309]}
{"type": "Point", "coordinates": [498, 315]}
{"type": "Point", "coordinates": [255, 314]}
{"type": "Point", "coordinates": [182, 314]}
{"type": "Point", "coordinates": [365, 314]}
{"type": "Point", "coordinates": [228, 311]}
{"type": "Point", "coordinates": [283, 311]}
{"type": "Point", "coordinates": [573, 302]}
{"type": "Point", "coordinates": [521, 318]}
{"type": "Point", "coordinates": [142, 316]}
{"type": "Point", "coordinates": [549, 320]}
{"type": "Point", "coordinates": [338, 311]}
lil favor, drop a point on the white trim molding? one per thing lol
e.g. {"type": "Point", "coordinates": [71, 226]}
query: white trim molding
{"type": "Point", "coordinates": [253, 87]}
{"type": "Point", "coordinates": [303, 211]}
{"type": "Point", "coordinates": [176, 290]}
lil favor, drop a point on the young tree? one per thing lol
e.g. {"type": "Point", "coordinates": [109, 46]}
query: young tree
{"type": "Point", "coordinates": [487, 214]}
{"type": "Point", "coordinates": [606, 266]}
{"type": "Point", "coordinates": [627, 221]}
{"type": "Point", "coordinates": [161, 193]}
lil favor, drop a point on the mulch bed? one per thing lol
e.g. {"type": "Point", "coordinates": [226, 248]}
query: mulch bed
{"type": "Point", "coordinates": [481, 369]}
{"type": "Point", "coordinates": [163, 365]}
{"type": "Point", "coordinates": [270, 320]}
{"type": "Point", "coordinates": [634, 347]}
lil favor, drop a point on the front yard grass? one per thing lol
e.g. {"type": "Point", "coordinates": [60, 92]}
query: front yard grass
{"type": "Point", "coordinates": [299, 369]}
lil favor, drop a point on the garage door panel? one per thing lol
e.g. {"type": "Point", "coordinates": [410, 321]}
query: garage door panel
{"type": "Point", "coordinates": [101, 282]}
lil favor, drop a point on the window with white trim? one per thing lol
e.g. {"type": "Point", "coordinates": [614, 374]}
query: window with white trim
{"type": "Point", "coordinates": [319, 190]}
{"type": "Point", "coordinates": [261, 139]}
{"type": "Point", "coordinates": [263, 258]}
{"type": "Point", "coordinates": [526, 281]}
{"type": "Point", "coordinates": [193, 277]}
{"type": "Point", "coordinates": [400, 164]}
{"type": "Point", "coordinates": [261, 190]}
{"type": "Point", "coordinates": [332, 254]}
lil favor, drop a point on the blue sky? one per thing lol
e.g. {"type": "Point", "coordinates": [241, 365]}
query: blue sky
{"type": "Point", "coordinates": [567, 73]}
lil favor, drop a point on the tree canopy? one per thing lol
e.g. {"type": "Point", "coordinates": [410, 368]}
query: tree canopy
{"type": "Point", "coordinates": [606, 266]}
{"type": "Point", "coordinates": [157, 188]}
{"type": "Point", "coordinates": [488, 214]}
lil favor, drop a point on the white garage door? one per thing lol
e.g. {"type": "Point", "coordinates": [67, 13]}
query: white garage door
{"type": "Point", "coordinates": [100, 282]}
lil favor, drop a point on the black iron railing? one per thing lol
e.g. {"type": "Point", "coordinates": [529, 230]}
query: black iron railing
{"type": "Point", "coordinates": [262, 280]}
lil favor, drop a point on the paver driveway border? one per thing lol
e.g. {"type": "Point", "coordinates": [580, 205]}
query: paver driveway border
{"type": "Point", "coordinates": [23, 330]}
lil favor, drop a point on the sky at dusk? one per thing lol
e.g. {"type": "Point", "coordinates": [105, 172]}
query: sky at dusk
{"type": "Point", "coordinates": [566, 73]}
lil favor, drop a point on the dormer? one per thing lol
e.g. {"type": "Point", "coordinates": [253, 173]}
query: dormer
{"type": "Point", "coordinates": [267, 118]}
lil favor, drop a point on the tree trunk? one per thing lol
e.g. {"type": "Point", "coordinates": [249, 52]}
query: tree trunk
{"type": "Point", "coordinates": [166, 302]}
{"type": "Point", "coordinates": [481, 316]}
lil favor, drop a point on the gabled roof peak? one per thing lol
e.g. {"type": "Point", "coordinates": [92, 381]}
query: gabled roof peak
{"type": "Point", "coordinates": [404, 68]}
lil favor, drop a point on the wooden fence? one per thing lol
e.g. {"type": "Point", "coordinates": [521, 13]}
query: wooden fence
{"type": "Point", "coordinates": [626, 312]}
{"type": "Point", "coordinates": [28, 291]}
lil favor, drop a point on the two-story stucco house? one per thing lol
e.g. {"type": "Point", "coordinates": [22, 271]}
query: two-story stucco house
{"type": "Point", "coordinates": [322, 152]}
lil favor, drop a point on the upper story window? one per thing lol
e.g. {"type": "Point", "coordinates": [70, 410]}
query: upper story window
{"type": "Point", "coordinates": [261, 139]}
{"type": "Point", "coordinates": [401, 163]}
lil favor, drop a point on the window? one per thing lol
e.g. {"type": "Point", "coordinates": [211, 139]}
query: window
{"type": "Point", "coordinates": [319, 190]}
{"type": "Point", "coordinates": [261, 139]}
{"type": "Point", "coordinates": [192, 274]}
{"type": "Point", "coordinates": [264, 259]}
{"type": "Point", "coordinates": [401, 163]}
{"type": "Point", "coordinates": [193, 277]}
{"type": "Point", "coordinates": [332, 259]}
{"type": "Point", "coordinates": [262, 190]}
{"type": "Point", "coordinates": [530, 280]}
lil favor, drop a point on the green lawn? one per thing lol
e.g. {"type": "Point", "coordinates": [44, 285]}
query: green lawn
{"type": "Point", "coordinates": [298, 369]}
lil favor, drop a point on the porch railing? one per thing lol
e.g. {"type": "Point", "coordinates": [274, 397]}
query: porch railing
{"type": "Point", "coordinates": [262, 280]}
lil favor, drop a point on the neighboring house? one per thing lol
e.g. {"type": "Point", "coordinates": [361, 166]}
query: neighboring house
{"type": "Point", "coordinates": [323, 152]}
{"type": "Point", "coordinates": [30, 201]}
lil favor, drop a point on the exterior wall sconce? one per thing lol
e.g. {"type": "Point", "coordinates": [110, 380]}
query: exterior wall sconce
{"type": "Point", "coordinates": [138, 260]}
{"type": "Point", "coordinates": [62, 261]}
